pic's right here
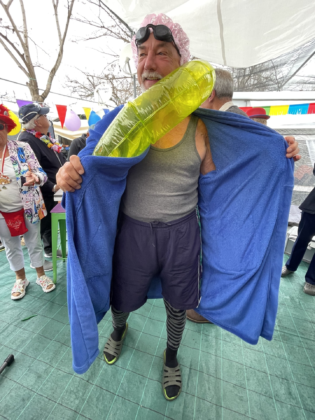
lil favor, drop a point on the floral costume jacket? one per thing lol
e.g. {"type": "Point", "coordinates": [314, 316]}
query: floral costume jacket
{"type": "Point", "coordinates": [23, 160]}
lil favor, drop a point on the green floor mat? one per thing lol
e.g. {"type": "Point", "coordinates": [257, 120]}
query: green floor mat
{"type": "Point", "coordinates": [223, 377]}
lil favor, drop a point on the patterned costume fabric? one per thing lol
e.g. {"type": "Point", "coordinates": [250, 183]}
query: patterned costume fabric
{"type": "Point", "coordinates": [24, 160]}
{"type": "Point", "coordinates": [180, 37]}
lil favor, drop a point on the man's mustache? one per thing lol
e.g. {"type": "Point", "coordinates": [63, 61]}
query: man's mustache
{"type": "Point", "coordinates": [150, 75]}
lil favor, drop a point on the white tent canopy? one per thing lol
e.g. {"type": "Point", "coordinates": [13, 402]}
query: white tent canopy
{"type": "Point", "coordinates": [234, 33]}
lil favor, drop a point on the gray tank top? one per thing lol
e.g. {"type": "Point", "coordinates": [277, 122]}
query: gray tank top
{"type": "Point", "coordinates": [164, 185]}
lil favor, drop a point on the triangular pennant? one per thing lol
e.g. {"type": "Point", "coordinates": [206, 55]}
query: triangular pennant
{"type": "Point", "coordinates": [94, 118]}
{"type": "Point", "coordinates": [62, 110]}
{"type": "Point", "coordinates": [87, 112]}
{"type": "Point", "coordinates": [311, 108]}
{"type": "Point", "coordinates": [21, 102]}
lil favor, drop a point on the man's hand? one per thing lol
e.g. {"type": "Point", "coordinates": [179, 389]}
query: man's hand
{"type": "Point", "coordinates": [293, 149]}
{"type": "Point", "coordinates": [31, 179]}
{"type": "Point", "coordinates": [56, 188]}
{"type": "Point", "coordinates": [68, 177]}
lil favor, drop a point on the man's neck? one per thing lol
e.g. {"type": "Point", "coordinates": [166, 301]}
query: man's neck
{"type": "Point", "coordinates": [226, 106]}
{"type": "Point", "coordinates": [219, 103]}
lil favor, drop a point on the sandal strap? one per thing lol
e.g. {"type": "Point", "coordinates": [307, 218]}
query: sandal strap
{"type": "Point", "coordinates": [172, 376]}
{"type": "Point", "coordinates": [45, 281]}
{"type": "Point", "coordinates": [114, 347]}
{"type": "Point", "coordinates": [19, 286]}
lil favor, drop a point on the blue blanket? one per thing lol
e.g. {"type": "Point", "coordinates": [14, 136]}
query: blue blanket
{"type": "Point", "coordinates": [244, 207]}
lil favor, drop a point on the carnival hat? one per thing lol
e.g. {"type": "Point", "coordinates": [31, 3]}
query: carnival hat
{"type": "Point", "coordinates": [5, 118]}
{"type": "Point", "coordinates": [258, 113]}
{"type": "Point", "coordinates": [27, 112]}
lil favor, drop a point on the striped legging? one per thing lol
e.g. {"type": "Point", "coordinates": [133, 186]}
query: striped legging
{"type": "Point", "coordinates": [175, 323]}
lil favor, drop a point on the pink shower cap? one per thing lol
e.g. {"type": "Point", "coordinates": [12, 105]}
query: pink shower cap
{"type": "Point", "coordinates": [180, 37]}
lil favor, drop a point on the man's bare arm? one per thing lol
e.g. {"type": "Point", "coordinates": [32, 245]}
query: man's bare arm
{"type": "Point", "coordinates": [207, 164]}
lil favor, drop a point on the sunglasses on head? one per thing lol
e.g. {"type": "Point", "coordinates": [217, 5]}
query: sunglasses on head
{"type": "Point", "coordinates": [160, 32]}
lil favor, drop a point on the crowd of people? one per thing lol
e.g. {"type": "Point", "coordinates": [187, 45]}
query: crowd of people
{"type": "Point", "coordinates": [160, 200]}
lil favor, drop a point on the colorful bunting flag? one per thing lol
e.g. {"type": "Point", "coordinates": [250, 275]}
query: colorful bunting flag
{"type": "Point", "coordinates": [246, 108]}
{"type": "Point", "coordinates": [87, 112]}
{"type": "Point", "coordinates": [62, 110]}
{"type": "Point", "coordinates": [279, 110]}
{"type": "Point", "coordinates": [298, 109]}
{"type": "Point", "coordinates": [295, 109]}
{"type": "Point", "coordinates": [21, 102]}
{"type": "Point", "coordinates": [94, 118]}
{"type": "Point", "coordinates": [311, 109]}
{"type": "Point", "coordinates": [267, 109]}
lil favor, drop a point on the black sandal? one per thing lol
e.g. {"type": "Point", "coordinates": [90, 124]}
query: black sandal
{"type": "Point", "coordinates": [114, 347]}
{"type": "Point", "coordinates": [171, 376]}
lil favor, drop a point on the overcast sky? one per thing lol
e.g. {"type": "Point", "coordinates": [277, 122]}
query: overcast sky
{"type": "Point", "coordinates": [78, 54]}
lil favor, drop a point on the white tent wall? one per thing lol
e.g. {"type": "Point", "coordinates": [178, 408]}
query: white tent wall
{"type": "Point", "coordinates": [234, 33]}
{"type": "Point", "coordinates": [259, 99]}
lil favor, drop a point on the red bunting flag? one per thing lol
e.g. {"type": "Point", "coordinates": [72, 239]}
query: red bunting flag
{"type": "Point", "coordinates": [311, 109]}
{"type": "Point", "coordinates": [62, 110]}
{"type": "Point", "coordinates": [245, 108]}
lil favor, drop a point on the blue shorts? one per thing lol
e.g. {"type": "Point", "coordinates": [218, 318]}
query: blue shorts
{"type": "Point", "coordinates": [170, 251]}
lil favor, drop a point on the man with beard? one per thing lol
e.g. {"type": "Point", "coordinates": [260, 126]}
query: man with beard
{"type": "Point", "coordinates": [159, 231]}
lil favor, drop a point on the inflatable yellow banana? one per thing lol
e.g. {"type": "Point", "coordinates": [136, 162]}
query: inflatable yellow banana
{"type": "Point", "coordinates": [154, 113]}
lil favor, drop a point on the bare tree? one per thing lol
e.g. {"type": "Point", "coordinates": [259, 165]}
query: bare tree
{"type": "Point", "coordinates": [121, 85]}
{"type": "Point", "coordinates": [284, 72]}
{"type": "Point", "coordinates": [15, 39]}
{"type": "Point", "coordinates": [105, 24]}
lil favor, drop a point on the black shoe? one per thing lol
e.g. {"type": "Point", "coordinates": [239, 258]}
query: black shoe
{"type": "Point", "coordinates": [47, 266]}
{"type": "Point", "coordinates": [48, 254]}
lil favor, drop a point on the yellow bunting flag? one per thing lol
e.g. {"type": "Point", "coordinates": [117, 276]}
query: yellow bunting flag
{"type": "Point", "coordinates": [279, 110]}
{"type": "Point", "coordinates": [87, 112]}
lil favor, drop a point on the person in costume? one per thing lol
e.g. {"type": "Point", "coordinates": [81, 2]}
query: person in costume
{"type": "Point", "coordinates": [21, 207]}
{"type": "Point", "coordinates": [221, 99]}
{"type": "Point", "coordinates": [48, 152]}
{"type": "Point", "coordinates": [159, 232]}
{"type": "Point", "coordinates": [306, 232]}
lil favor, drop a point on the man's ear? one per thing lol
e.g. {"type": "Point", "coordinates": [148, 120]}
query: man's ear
{"type": "Point", "coordinates": [212, 96]}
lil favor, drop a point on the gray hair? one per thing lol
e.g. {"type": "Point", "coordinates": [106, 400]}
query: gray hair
{"type": "Point", "coordinates": [223, 84]}
{"type": "Point", "coordinates": [260, 120]}
{"type": "Point", "coordinates": [30, 125]}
